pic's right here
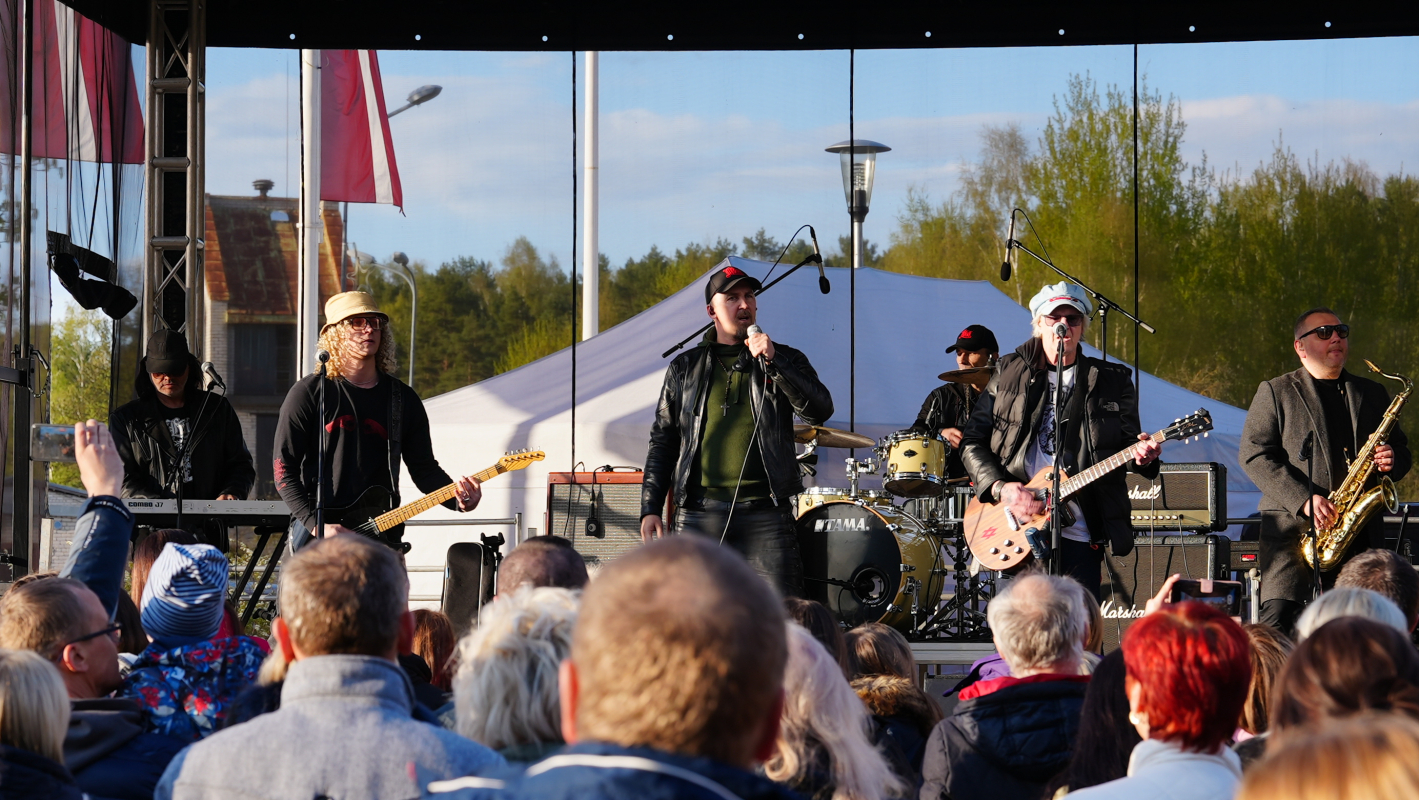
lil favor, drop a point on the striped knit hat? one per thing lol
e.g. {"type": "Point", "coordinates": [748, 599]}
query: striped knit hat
{"type": "Point", "coordinates": [183, 598]}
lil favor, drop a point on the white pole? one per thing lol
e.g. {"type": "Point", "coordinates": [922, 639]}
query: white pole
{"type": "Point", "coordinates": [311, 225]}
{"type": "Point", "coordinates": [590, 250]}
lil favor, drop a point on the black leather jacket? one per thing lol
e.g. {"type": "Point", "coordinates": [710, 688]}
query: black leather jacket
{"type": "Point", "coordinates": [1003, 423]}
{"type": "Point", "coordinates": [794, 388]}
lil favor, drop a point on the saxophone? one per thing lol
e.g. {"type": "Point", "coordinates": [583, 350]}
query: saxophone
{"type": "Point", "coordinates": [1353, 505]}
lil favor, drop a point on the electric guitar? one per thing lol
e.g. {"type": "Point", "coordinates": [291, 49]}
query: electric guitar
{"type": "Point", "coordinates": [1001, 541]}
{"type": "Point", "coordinates": [371, 516]}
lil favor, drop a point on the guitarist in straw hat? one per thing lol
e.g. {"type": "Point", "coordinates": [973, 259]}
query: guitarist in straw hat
{"type": "Point", "coordinates": [361, 399]}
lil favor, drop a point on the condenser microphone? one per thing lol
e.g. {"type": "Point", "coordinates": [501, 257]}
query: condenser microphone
{"type": "Point", "coordinates": [1009, 245]}
{"type": "Point", "coordinates": [823, 285]}
{"type": "Point", "coordinates": [210, 370]}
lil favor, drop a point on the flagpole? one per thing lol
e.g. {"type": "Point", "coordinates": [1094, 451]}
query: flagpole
{"type": "Point", "coordinates": [311, 225]}
{"type": "Point", "coordinates": [590, 251]}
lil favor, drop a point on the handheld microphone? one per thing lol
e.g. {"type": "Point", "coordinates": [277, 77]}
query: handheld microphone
{"type": "Point", "coordinates": [823, 285]}
{"type": "Point", "coordinates": [755, 329]}
{"type": "Point", "coordinates": [210, 370]}
{"type": "Point", "coordinates": [1009, 245]}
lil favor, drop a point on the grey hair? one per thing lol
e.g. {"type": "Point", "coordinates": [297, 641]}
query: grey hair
{"type": "Point", "coordinates": [505, 689]}
{"type": "Point", "coordinates": [1349, 602]}
{"type": "Point", "coordinates": [821, 711]}
{"type": "Point", "coordinates": [1038, 620]}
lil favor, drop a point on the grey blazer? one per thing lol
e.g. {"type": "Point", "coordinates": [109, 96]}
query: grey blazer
{"type": "Point", "coordinates": [1284, 410]}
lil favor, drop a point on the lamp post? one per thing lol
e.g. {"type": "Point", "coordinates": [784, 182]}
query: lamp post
{"type": "Point", "coordinates": [859, 162]}
{"type": "Point", "coordinates": [366, 260]}
{"type": "Point", "coordinates": [419, 96]}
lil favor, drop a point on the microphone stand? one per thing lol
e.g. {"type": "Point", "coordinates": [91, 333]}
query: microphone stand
{"type": "Point", "coordinates": [1307, 455]}
{"type": "Point", "coordinates": [1103, 302]}
{"type": "Point", "coordinates": [323, 357]}
{"type": "Point", "coordinates": [1056, 517]}
{"type": "Point", "coordinates": [812, 259]}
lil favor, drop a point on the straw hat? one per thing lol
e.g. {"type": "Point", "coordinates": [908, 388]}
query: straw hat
{"type": "Point", "coordinates": [350, 304]}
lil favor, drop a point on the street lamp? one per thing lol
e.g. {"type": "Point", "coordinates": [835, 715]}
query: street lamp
{"type": "Point", "coordinates": [859, 161]}
{"type": "Point", "coordinates": [366, 260]}
{"type": "Point", "coordinates": [419, 96]}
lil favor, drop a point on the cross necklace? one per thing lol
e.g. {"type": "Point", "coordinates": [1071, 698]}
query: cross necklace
{"type": "Point", "coordinates": [728, 379]}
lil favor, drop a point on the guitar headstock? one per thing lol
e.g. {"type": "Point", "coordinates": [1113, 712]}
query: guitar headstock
{"type": "Point", "coordinates": [520, 459]}
{"type": "Point", "coordinates": [1196, 424]}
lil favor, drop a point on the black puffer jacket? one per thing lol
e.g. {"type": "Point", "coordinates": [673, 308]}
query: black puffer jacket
{"type": "Point", "coordinates": [1006, 416]}
{"type": "Point", "coordinates": [1005, 745]}
{"type": "Point", "coordinates": [793, 388]}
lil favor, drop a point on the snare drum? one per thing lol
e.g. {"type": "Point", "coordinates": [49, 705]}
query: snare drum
{"type": "Point", "coordinates": [815, 496]}
{"type": "Point", "coordinates": [916, 464]}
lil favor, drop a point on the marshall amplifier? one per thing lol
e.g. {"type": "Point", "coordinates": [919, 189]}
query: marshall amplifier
{"type": "Point", "coordinates": [1184, 497]}
{"type": "Point", "coordinates": [1130, 581]}
{"type": "Point", "coordinates": [599, 512]}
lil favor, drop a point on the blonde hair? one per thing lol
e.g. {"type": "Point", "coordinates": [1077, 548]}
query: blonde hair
{"type": "Point", "coordinates": [1374, 756]}
{"type": "Point", "coordinates": [505, 689]}
{"type": "Point", "coordinates": [334, 338]}
{"type": "Point", "coordinates": [34, 707]}
{"type": "Point", "coordinates": [821, 712]}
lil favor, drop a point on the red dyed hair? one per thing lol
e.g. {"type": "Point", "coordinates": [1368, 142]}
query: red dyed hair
{"type": "Point", "coordinates": [1193, 666]}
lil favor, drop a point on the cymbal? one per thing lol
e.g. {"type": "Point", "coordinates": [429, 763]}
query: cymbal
{"type": "Point", "coordinates": [975, 376]}
{"type": "Point", "coordinates": [830, 437]}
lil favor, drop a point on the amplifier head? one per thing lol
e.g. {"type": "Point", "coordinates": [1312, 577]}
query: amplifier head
{"type": "Point", "coordinates": [1183, 498]}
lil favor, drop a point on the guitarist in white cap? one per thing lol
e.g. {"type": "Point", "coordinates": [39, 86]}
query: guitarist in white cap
{"type": "Point", "coordinates": [1012, 433]}
{"type": "Point", "coordinates": [371, 419]}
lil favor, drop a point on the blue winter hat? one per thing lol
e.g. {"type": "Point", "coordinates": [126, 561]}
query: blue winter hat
{"type": "Point", "coordinates": [185, 594]}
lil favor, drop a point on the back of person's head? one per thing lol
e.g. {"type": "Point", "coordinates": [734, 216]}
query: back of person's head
{"type": "Point", "coordinates": [132, 639]}
{"type": "Point", "coordinates": [505, 689]}
{"type": "Point", "coordinates": [1094, 628]}
{"type": "Point", "coordinates": [1347, 666]}
{"type": "Point", "coordinates": [1038, 623]}
{"type": "Point", "coordinates": [185, 596]}
{"type": "Point", "coordinates": [707, 634]}
{"type": "Point", "coordinates": [34, 708]}
{"type": "Point", "coordinates": [1370, 756]}
{"type": "Point", "coordinates": [881, 650]}
{"type": "Point", "coordinates": [1385, 572]}
{"type": "Point", "coordinates": [434, 642]}
{"type": "Point", "coordinates": [1106, 736]}
{"type": "Point", "coordinates": [542, 561]}
{"type": "Point", "coordinates": [41, 616]}
{"type": "Point", "coordinates": [1338, 603]}
{"type": "Point", "coordinates": [824, 723]}
{"type": "Point", "coordinates": [344, 595]}
{"type": "Point", "coordinates": [146, 551]}
{"type": "Point", "coordinates": [1269, 651]}
{"type": "Point", "coordinates": [1192, 664]}
{"type": "Point", "coordinates": [820, 622]}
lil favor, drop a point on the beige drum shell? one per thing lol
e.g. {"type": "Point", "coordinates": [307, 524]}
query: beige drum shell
{"type": "Point", "coordinates": [920, 474]}
{"type": "Point", "coordinates": [815, 496]}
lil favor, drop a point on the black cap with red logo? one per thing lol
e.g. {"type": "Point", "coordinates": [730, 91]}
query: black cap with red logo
{"type": "Point", "coordinates": [973, 338]}
{"type": "Point", "coordinates": [726, 279]}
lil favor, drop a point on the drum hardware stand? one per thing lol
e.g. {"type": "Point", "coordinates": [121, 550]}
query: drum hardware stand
{"type": "Point", "coordinates": [855, 468]}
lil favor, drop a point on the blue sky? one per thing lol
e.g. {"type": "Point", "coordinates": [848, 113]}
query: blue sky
{"type": "Point", "coordinates": [695, 146]}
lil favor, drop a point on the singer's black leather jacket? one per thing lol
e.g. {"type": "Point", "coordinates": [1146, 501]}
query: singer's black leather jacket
{"type": "Point", "coordinates": [794, 388]}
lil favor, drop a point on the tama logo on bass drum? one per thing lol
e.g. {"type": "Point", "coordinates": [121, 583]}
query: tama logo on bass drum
{"type": "Point", "coordinates": [836, 525]}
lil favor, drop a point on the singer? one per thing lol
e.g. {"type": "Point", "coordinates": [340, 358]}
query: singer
{"type": "Point", "coordinates": [364, 402]}
{"type": "Point", "coordinates": [1012, 432]}
{"type": "Point", "coordinates": [176, 432]}
{"type": "Point", "coordinates": [1342, 410]}
{"type": "Point", "coordinates": [722, 440]}
{"type": "Point", "coordinates": [945, 411]}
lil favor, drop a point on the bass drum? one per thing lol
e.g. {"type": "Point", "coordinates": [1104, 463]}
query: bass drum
{"type": "Point", "coordinates": [870, 564]}
{"type": "Point", "coordinates": [815, 496]}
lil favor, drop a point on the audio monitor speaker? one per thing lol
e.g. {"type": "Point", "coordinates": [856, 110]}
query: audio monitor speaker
{"type": "Point", "coordinates": [1128, 582]}
{"type": "Point", "coordinates": [599, 512]}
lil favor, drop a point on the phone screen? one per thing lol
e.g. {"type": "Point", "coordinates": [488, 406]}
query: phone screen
{"type": "Point", "coordinates": [51, 442]}
{"type": "Point", "coordinates": [1225, 595]}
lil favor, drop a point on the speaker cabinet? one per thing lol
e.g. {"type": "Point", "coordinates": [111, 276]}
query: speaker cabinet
{"type": "Point", "coordinates": [469, 580]}
{"type": "Point", "coordinates": [599, 512]}
{"type": "Point", "coordinates": [1130, 581]}
{"type": "Point", "coordinates": [1183, 498]}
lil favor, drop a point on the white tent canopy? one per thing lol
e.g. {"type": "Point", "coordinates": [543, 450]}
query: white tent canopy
{"type": "Point", "coordinates": [904, 324]}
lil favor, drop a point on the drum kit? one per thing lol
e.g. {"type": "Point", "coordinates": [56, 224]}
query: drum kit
{"type": "Point", "coordinates": [869, 559]}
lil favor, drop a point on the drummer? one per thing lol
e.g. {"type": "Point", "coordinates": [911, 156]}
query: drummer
{"type": "Point", "coordinates": [949, 405]}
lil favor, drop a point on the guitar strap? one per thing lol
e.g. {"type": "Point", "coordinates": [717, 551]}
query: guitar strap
{"type": "Point", "coordinates": [396, 433]}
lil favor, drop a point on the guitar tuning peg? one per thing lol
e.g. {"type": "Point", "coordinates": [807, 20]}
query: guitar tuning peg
{"type": "Point", "coordinates": [1206, 434]}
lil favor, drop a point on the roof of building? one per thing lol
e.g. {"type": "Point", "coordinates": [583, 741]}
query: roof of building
{"type": "Point", "coordinates": [252, 255]}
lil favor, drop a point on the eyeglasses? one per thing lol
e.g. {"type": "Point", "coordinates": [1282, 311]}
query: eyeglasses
{"type": "Point", "coordinates": [360, 323]}
{"type": "Point", "coordinates": [115, 630]}
{"type": "Point", "coordinates": [1073, 320]}
{"type": "Point", "coordinates": [1323, 332]}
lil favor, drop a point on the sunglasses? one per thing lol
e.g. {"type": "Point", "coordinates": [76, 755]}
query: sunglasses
{"type": "Point", "coordinates": [1323, 332]}
{"type": "Point", "coordinates": [114, 631]}
{"type": "Point", "coordinates": [1073, 320]}
{"type": "Point", "coordinates": [360, 323]}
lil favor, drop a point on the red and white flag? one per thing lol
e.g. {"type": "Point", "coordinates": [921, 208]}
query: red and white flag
{"type": "Point", "coordinates": [356, 153]}
{"type": "Point", "coordinates": [85, 94]}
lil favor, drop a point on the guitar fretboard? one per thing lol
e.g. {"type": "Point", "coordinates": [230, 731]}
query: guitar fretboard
{"type": "Point", "coordinates": [1099, 470]}
{"type": "Point", "coordinates": [404, 513]}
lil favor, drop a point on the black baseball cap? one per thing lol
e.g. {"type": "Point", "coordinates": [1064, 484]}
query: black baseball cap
{"type": "Point", "coordinates": [975, 337]}
{"type": "Point", "coordinates": [167, 353]}
{"type": "Point", "coordinates": [726, 279]}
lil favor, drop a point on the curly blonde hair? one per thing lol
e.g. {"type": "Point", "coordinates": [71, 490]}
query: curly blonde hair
{"type": "Point", "coordinates": [334, 338]}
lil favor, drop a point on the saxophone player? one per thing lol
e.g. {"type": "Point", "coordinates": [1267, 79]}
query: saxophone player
{"type": "Point", "coordinates": [1341, 410]}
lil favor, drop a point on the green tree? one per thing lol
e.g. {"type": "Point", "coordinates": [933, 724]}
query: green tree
{"type": "Point", "coordinates": [80, 378]}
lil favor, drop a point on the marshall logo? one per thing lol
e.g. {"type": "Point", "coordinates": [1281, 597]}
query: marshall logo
{"type": "Point", "coordinates": [1151, 493]}
{"type": "Point", "coordinates": [1110, 610]}
{"type": "Point", "coordinates": [837, 525]}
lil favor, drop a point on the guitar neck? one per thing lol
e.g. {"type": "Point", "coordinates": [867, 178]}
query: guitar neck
{"type": "Point", "coordinates": [406, 512]}
{"type": "Point", "coordinates": [1076, 483]}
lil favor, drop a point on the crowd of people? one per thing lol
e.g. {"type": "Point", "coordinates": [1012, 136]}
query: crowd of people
{"type": "Point", "coordinates": [679, 671]}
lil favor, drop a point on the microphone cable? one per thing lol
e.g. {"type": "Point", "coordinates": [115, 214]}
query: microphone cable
{"type": "Point", "coordinates": [757, 410]}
